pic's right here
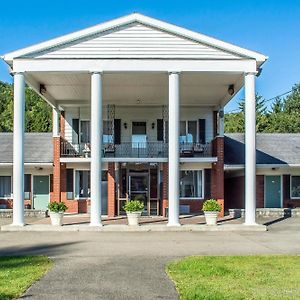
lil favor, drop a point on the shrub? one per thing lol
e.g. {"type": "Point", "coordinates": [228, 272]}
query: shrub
{"type": "Point", "coordinates": [133, 205]}
{"type": "Point", "coordinates": [57, 207]}
{"type": "Point", "coordinates": [211, 205]}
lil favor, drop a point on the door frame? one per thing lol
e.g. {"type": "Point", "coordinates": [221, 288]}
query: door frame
{"type": "Point", "coordinates": [33, 193]}
{"type": "Point", "coordinates": [281, 189]}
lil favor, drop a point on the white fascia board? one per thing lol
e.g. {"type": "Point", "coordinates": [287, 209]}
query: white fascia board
{"type": "Point", "coordinates": [132, 65]}
{"type": "Point", "coordinates": [198, 159]}
{"type": "Point", "coordinates": [259, 166]}
{"type": "Point", "coordinates": [4, 164]}
{"type": "Point", "coordinates": [198, 37]}
{"type": "Point", "coordinates": [113, 159]}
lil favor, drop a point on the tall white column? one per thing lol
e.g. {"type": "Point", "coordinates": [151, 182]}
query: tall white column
{"type": "Point", "coordinates": [174, 118]}
{"type": "Point", "coordinates": [18, 149]}
{"type": "Point", "coordinates": [250, 149]}
{"type": "Point", "coordinates": [96, 148]}
{"type": "Point", "coordinates": [221, 122]}
{"type": "Point", "coordinates": [55, 121]}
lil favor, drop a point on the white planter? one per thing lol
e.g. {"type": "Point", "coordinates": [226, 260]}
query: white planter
{"type": "Point", "coordinates": [211, 217]}
{"type": "Point", "coordinates": [133, 217]}
{"type": "Point", "coordinates": [56, 218]}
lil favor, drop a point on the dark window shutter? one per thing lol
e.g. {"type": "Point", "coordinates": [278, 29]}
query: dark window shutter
{"type": "Point", "coordinates": [69, 180]}
{"type": "Point", "coordinates": [160, 129]}
{"type": "Point", "coordinates": [75, 131]}
{"type": "Point", "coordinates": [207, 182]}
{"type": "Point", "coordinates": [287, 186]}
{"type": "Point", "coordinates": [202, 130]}
{"type": "Point", "coordinates": [27, 183]}
{"type": "Point", "coordinates": [51, 183]}
{"type": "Point", "coordinates": [117, 125]}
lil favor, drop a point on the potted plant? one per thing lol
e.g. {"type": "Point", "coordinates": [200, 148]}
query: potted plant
{"type": "Point", "coordinates": [211, 210]}
{"type": "Point", "coordinates": [57, 210]}
{"type": "Point", "coordinates": [134, 209]}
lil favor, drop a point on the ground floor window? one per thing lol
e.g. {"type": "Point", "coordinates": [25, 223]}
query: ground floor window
{"type": "Point", "coordinates": [295, 186]}
{"type": "Point", "coordinates": [191, 183]}
{"type": "Point", "coordinates": [5, 186]}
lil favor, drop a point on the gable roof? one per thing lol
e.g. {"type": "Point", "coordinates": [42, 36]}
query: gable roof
{"type": "Point", "coordinates": [38, 147]}
{"type": "Point", "coordinates": [131, 19]}
{"type": "Point", "coordinates": [271, 149]}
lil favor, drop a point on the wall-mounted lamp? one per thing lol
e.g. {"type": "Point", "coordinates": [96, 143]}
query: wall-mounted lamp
{"type": "Point", "coordinates": [153, 125]}
{"type": "Point", "coordinates": [125, 125]}
{"type": "Point", "coordinates": [43, 89]}
{"type": "Point", "coordinates": [231, 89]}
{"type": "Point", "coordinates": [138, 101]}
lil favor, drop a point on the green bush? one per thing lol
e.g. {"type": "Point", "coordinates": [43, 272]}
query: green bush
{"type": "Point", "coordinates": [133, 206]}
{"type": "Point", "coordinates": [57, 207]}
{"type": "Point", "coordinates": [211, 205]}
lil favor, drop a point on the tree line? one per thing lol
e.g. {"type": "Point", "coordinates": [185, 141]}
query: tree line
{"type": "Point", "coordinates": [282, 116]}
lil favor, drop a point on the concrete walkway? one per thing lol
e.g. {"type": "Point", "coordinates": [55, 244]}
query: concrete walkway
{"type": "Point", "coordinates": [111, 265]}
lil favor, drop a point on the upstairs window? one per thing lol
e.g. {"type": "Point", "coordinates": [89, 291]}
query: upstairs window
{"type": "Point", "coordinates": [188, 132]}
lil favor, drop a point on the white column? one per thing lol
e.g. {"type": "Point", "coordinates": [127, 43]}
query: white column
{"type": "Point", "coordinates": [55, 121]}
{"type": "Point", "coordinates": [18, 149]}
{"type": "Point", "coordinates": [174, 118]}
{"type": "Point", "coordinates": [250, 149]}
{"type": "Point", "coordinates": [221, 122]}
{"type": "Point", "coordinates": [96, 148]}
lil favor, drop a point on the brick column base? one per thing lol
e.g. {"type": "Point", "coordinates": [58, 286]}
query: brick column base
{"type": "Point", "coordinates": [111, 190]}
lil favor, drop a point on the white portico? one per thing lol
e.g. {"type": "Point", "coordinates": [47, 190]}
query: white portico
{"type": "Point", "coordinates": [120, 62]}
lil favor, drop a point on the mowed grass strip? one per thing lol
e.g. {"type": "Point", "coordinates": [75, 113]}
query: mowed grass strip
{"type": "Point", "coordinates": [236, 277]}
{"type": "Point", "coordinates": [17, 273]}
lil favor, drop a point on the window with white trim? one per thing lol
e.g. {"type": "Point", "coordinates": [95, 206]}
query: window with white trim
{"type": "Point", "coordinates": [188, 132]}
{"type": "Point", "coordinates": [5, 186]}
{"type": "Point", "coordinates": [295, 186]}
{"type": "Point", "coordinates": [191, 184]}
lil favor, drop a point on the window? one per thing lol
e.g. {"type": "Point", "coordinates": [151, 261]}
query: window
{"type": "Point", "coordinates": [139, 135]}
{"type": "Point", "coordinates": [85, 131]}
{"type": "Point", "coordinates": [107, 132]}
{"type": "Point", "coordinates": [27, 186]}
{"type": "Point", "coordinates": [5, 186]}
{"type": "Point", "coordinates": [188, 132]}
{"type": "Point", "coordinates": [295, 186]}
{"type": "Point", "coordinates": [191, 183]}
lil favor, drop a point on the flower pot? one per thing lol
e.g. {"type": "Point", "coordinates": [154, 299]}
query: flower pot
{"type": "Point", "coordinates": [211, 217]}
{"type": "Point", "coordinates": [133, 217]}
{"type": "Point", "coordinates": [56, 218]}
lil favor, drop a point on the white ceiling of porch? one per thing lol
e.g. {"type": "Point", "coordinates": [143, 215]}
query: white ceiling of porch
{"type": "Point", "coordinates": [149, 88]}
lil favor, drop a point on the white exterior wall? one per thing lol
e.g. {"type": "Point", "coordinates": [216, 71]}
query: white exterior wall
{"type": "Point", "coordinates": [148, 114]}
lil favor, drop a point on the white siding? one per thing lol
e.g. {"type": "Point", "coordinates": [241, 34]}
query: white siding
{"type": "Point", "coordinates": [148, 114]}
{"type": "Point", "coordinates": [136, 41]}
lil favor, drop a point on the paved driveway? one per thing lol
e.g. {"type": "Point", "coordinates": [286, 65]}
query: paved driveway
{"type": "Point", "coordinates": [104, 265]}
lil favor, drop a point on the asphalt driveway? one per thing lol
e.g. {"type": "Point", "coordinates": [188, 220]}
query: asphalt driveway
{"type": "Point", "coordinates": [110, 265]}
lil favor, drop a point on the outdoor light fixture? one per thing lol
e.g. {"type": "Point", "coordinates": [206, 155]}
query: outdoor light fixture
{"type": "Point", "coordinates": [231, 89]}
{"type": "Point", "coordinates": [153, 125]}
{"type": "Point", "coordinates": [42, 89]}
{"type": "Point", "coordinates": [138, 101]}
{"type": "Point", "coordinates": [125, 125]}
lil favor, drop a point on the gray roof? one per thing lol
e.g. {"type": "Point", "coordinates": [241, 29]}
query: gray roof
{"type": "Point", "coordinates": [38, 147]}
{"type": "Point", "coordinates": [272, 148]}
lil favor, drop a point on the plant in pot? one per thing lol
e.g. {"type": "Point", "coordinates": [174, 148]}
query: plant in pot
{"type": "Point", "coordinates": [57, 210]}
{"type": "Point", "coordinates": [211, 210]}
{"type": "Point", "coordinates": [134, 209]}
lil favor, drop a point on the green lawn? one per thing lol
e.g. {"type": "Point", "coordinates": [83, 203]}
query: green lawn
{"type": "Point", "coordinates": [237, 277]}
{"type": "Point", "coordinates": [17, 273]}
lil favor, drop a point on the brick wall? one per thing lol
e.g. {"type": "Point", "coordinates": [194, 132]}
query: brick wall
{"type": "Point", "coordinates": [55, 195]}
{"type": "Point", "coordinates": [164, 206]}
{"type": "Point", "coordinates": [111, 190]}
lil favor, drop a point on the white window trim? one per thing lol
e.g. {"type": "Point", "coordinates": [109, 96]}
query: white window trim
{"type": "Point", "coordinates": [197, 129]}
{"type": "Point", "coordinates": [202, 189]}
{"type": "Point", "coordinates": [11, 188]}
{"type": "Point", "coordinates": [293, 198]}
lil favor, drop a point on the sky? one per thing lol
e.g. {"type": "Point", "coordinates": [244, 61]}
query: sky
{"type": "Point", "coordinates": [269, 27]}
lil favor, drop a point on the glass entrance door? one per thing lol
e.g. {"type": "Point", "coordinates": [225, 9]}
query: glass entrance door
{"type": "Point", "coordinates": [138, 188]}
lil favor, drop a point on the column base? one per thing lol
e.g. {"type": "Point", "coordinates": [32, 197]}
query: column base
{"type": "Point", "coordinates": [250, 224]}
{"type": "Point", "coordinates": [96, 224]}
{"type": "Point", "coordinates": [17, 224]}
{"type": "Point", "coordinates": [171, 224]}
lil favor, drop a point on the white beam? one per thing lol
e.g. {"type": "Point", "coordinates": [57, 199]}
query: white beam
{"type": "Point", "coordinates": [250, 149]}
{"type": "Point", "coordinates": [96, 148]}
{"type": "Point", "coordinates": [55, 122]}
{"type": "Point", "coordinates": [133, 65]}
{"type": "Point", "coordinates": [18, 149]}
{"type": "Point", "coordinates": [174, 117]}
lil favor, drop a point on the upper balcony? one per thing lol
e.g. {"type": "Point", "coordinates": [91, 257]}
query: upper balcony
{"type": "Point", "coordinates": [136, 150]}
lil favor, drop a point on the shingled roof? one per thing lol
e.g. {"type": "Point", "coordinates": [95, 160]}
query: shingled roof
{"type": "Point", "coordinates": [272, 148]}
{"type": "Point", "coordinates": [38, 147]}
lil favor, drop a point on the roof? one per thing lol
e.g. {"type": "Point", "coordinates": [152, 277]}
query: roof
{"type": "Point", "coordinates": [131, 19]}
{"type": "Point", "coordinates": [38, 147]}
{"type": "Point", "coordinates": [272, 149]}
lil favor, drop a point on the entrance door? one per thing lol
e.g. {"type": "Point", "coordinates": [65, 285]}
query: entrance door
{"type": "Point", "coordinates": [40, 192]}
{"type": "Point", "coordinates": [273, 191]}
{"type": "Point", "coordinates": [138, 188]}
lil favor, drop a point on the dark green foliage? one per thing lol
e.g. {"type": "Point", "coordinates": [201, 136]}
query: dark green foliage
{"type": "Point", "coordinates": [211, 205]}
{"type": "Point", "coordinates": [57, 207]}
{"type": "Point", "coordinates": [283, 116]}
{"type": "Point", "coordinates": [38, 114]}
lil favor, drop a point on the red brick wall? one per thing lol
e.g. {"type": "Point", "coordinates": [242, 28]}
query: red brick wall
{"type": "Point", "coordinates": [62, 124]}
{"type": "Point", "coordinates": [165, 197]}
{"type": "Point", "coordinates": [55, 196]}
{"type": "Point", "coordinates": [111, 190]}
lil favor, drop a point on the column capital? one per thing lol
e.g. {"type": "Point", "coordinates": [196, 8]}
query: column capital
{"type": "Point", "coordinates": [251, 73]}
{"type": "Point", "coordinates": [96, 72]}
{"type": "Point", "coordinates": [174, 72]}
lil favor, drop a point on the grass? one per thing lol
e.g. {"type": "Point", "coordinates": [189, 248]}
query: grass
{"type": "Point", "coordinates": [17, 273]}
{"type": "Point", "coordinates": [237, 277]}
